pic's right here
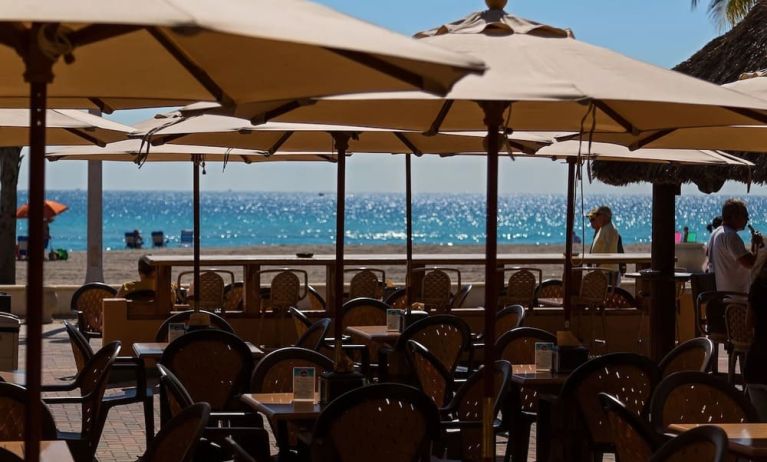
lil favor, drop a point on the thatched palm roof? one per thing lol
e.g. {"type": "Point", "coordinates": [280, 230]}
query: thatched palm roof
{"type": "Point", "coordinates": [742, 49]}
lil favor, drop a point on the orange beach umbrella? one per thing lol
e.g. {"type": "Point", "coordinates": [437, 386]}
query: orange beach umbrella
{"type": "Point", "coordinates": [50, 210]}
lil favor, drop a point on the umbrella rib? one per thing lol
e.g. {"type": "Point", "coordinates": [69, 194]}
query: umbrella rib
{"type": "Point", "coordinates": [194, 70]}
{"type": "Point", "coordinates": [276, 146]}
{"type": "Point", "coordinates": [435, 126]}
{"type": "Point", "coordinates": [328, 157]}
{"type": "Point", "coordinates": [408, 144]}
{"type": "Point", "coordinates": [98, 32]}
{"type": "Point", "coordinates": [750, 113]}
{"type": "Point", "coordinates": [520, 147]}
{"type": "Point", "coordinates": [613, 114]}
{"type": "Point", "coordinates": [390, 69]}
{"type": "Point", "coordinates": [655, 136]}
{"type": "Point", "coordinates": [280, 110]}
{"type": "Point", "coordinates": [103, 107]}
{"type": "Point", "coordinates": [89, 138]}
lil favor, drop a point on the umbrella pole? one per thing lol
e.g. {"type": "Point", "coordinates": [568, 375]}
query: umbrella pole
{"type": "Point", "coordinates": [567, 279]}
{"type": "Point", "coordinates": [409, 224]}
{"type": "Point", "coordinates": [493, 120]}
{"type": "Point", "coordinates": [196, 207]}
{"type": "Point", "coordinates": [341, 141]}
{"type": "Point", "coordinates": [38, 74]}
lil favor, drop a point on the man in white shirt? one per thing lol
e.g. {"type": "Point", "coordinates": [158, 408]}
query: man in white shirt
{"type": "Point", "coordinates": [732, 262]}
{"type": "Point", "coordinates": [606, 236]}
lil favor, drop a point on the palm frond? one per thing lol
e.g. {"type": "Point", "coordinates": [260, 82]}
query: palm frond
{"type": "Point", "coordinates": [727, 12]}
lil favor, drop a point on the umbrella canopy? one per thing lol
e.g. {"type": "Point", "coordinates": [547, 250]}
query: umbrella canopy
{"type": "Point", "coordinates": [232, 132]}
{"type": "Point", "coordinates": [65, 127]}
{"type": "Point", "coordinates": [52, 208]}
{"type": "Point", "coordinates": [149, 53]}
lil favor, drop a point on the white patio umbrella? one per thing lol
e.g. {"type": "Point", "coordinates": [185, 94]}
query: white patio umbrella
{"type": "Point", "coordinates": [147, 53]}
{"type": "Point", "coordinates": [65, 126]}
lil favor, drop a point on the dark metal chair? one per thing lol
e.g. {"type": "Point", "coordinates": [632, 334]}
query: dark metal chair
{"type": "Point", "coordinates": [216, 322]}
{"type": "Point", "coordinates": [703, 444]}
{"type": "Point", "coordinates": [693, 355]}
{"type": "Point", "coordinates": [314, 337]}
{"type": "Point", "coordinates": [383, 422]}
{"type": "Point", "coordinates": [397, 299]}
{"type": "Point", "coordinates": [86, 303]}
{"type": "Point", "coordinates": [460, 298]}
{"type": "Point", "coordinates": [13, 405]}
{"type": "Point", "coordinates": [633, 438]}
{"type": "Point", "coordinates": [710, 310]}
{"type": "Point", "coordinates": [274, 373]}
{"type": "Point", "coordinates": [178, 439]}
{"type": "Point", "coordinates": [549, 293]}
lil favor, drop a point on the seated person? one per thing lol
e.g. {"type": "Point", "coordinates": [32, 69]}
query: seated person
{"type": "Point", "coordinates": [146, 282]}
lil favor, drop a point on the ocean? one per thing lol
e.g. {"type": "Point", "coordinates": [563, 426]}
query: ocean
{"type": "Point", "coordinates": [235, 219]}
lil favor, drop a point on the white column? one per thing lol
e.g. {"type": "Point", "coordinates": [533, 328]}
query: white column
{"type": "Point", "coordinates": [95, 269]}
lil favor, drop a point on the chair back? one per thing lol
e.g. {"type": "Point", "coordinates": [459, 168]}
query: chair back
{"type": "Point", "coordinates": [703, 444]}
{"type": "Point", "coordinates": [216, 322]}
{"type": "Point", "coordinates": [699, 283]}
{"type": "Point", "coordinates": [633, 438]}
{"type": "Point", "coordinates": [618, 297]}
{"type": "Point", "coordinates": [187, 237]}
{"type": "Point", "coordinates": [739, 335]}
{"type": "Point", "coordinates": [447, 337]}
{"type": "Point", "coordinates": [594, 287]}
{"type": "Point", "coordinates": [628, 377]}
{"type": "Point", "coordinates": [301, 322]}
{"type": "Point", "coordinates": [517, 346]}
{"type": "Point", "coordinates": [710, 313]}
{"type": "Point", "coordinates": [285, 288]}
{"type": "Point", "coordinates": [13, 405]}
{"type": "Point", "coordinates": [210, 294]}
{"type": "Point", "coordinates": [158, 239]}
{"type": "Point", "coordinates": [433, 379]}
{"type": "Point", "coordinates": [178, 439]}
{"type": "Point", "coordinates": [698, 398]}
{"type": "Point", "coordinates": [173, 396]}
{"type": "Point", "coordinates": [693, 355]}
{"type": "Point", "coordinates": [233, 297]}
{"type": "Point", "coordinates": [274, 373]}
{"type": "Point", "coordinates": [364, 312]}
{"type": "Point", "coordinates": [460, 298]}
{"type": "Point", "coordinates": [550, 288]}
{"type": "Point", "coordinates": [366, 283]}
{"type": "Point", "coordinates": [436, 291]}
{"type": "Point", "coordinates": [81, 349]}
{"type": "Point", "coordinates": [316, 302]}
{"type": "Point", "coordinates": [508, 318]}
{"type": "Point", "coordinates": [314, 337]}
{"type": "Point", "coordinates": [383, 422]}
{"type": "Point", "coordinates": [467, 406]}
{"type": "Point", "coordinates": [213, 365]}
{"type": "Point", "coordinates": [397, 299]}
{"type": "Point", "coordinates": [521, 286]}
{"type": "Point", "coordinates": [92, 381]}
{"type": "Point", "coordinates": [87, 301]}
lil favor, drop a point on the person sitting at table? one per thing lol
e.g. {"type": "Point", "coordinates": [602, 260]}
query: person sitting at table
{"type": "Point", "coordinates": [606, 237]}
{"type": "Point", "coordinates": [730, 259]}
{"type": "Point", "coordinates": [146, 282]}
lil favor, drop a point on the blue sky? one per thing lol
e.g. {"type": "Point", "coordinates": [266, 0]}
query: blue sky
{"type": "Point", "coordinates": [663, 32]}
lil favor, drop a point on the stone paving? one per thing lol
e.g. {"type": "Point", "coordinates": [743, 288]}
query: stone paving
{"type": "Point", "coordinates": [123, 437]}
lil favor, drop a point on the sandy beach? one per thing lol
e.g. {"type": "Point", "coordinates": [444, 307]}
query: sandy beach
{"type": "Point", "coordinates": [120, 265]}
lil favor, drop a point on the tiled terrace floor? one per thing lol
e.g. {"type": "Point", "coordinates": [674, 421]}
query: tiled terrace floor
{"type": "Point", "coordinates": [123, 437]}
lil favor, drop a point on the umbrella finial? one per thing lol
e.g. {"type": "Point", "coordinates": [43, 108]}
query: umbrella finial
{"type": "Point", "coordinates": [496, 4]}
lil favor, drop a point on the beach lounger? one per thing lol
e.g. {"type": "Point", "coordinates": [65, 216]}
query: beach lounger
{"type": "Point", "coordinates": [158, 239]}
{"type": "Point", "coordinates": [187, 237]}
{"type": "Point", "coordinates": [22, 249]}
{"type": "Point", "coordinates": [133, 240]}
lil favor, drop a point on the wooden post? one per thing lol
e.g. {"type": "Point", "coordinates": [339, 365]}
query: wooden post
{"type": "Point", "coordinates": [567, 277]}
{"type": "Point", "coordinates": [341, 141]}
{"type": "Point", "coordinates": [408, 225]}
{"type": "Point", "coordinates": [95, 266]}
{"type": "Point", "coordinates": [663, 288]}
{"type": "Point", "coordinates": [196, 158]}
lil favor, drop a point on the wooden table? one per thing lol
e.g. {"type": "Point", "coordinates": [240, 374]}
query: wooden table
{"type": "Point", "coordinates": [153, 350]}
{"type": "Point", "coordinates": [252, 265]}
{"type": "Point", "coordinates": [527, 376]}
{"type": "Point", "coordinates": [377, 334]}
{"type": "Point", "coordinates": [18, 377]}
{"type": "Point", "coordinates": [279, 409]}
{"type": "Point", "coordinates": [50, 451]}
{"type": "Point", "coordinates": [747, 440]}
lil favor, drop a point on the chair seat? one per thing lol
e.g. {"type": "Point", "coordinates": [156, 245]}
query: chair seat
{"type": "Point", "coordinates": [126, 396]}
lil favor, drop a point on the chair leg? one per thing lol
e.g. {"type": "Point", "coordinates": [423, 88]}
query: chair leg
{"type": "Point", "coordinates": [149, 418]}
{"type": "Point", "coordinates": [518, 444]}
{"type": "Point", "coordinates": [731, 358]}
{"type": "Point", "coordinates": [715, 354]}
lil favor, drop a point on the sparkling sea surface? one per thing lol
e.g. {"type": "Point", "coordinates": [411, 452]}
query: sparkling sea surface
{"type": "Point", "coordinates": [235, 219]}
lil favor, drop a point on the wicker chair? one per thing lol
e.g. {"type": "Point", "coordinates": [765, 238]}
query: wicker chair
{"type": "Point", "coordinates": [739, 337]}
{"type": "Point", "coordinates": [366, 283]}
{"type": "Point", "coordinates": [628, 377]}
{"type": "Point", "coordinates": [86, 303]}
{"type": "Point", "coordinates": [301, 322]}
{"type": "Point", "coordinates": [460, 298]}
{"type": "Point", "coordinates": [549, 293]}
{"type": "Point", "coordinates": [633, 438]}
{"type": "Point", "coordinates": [178, 439]}
{"type": "Point", "coordinates": [383, 422]}
{"type": "Point", "coordinates": [316, 302]}
{"type": "Point", "coordinates": [517, 346]}
{"type": "Point", "coordinates": [397, 299]}
{"type": "Point", "coordinates": [243, 427]}
{"type": "Point", "coordinates": [432, 377]}
{"type": "Point", "coordinates": [284, 292]}
{"type": "Point", "coordinates": [274, 373]}
{"type": "Point", "coordinates": [92, 383]}
{"type": "Point", "coordinates": [521, 288]}
{"type": "Point", "coordinates": [446, 336]}
{"type": "Point", "coordinates": [693, 355]}
{"type": "Point", "coordinates": [210, 295]}
{"type": "Point", "coordinates": [703, 444]}
{"type": "Point", "coordinates": [13, 404]}
{"type": "Point", "coordinates": [314, 337]}
{"type": "Point", "coordinates": [593, 291]}
{"type": "Point", "coordinates": [140, 393]}
{"type": "Point", "coordinates": [710, 310]}
{"type": "Point", "coordinates": [463, 430]}
{"type": "Point", "coordinates": [216, 322]}
{"type": "Point", "coordinates": [226, 367]}
{"type": "Point", "coordinates": [436, 288]}
{"type": "Point", "coordinates": [364, 312]}
{"type": "Point", "coordinates": [233, 297]}
{"type": "Point", "coordinates": [508, 318]}
{"type": "Point", "coordinates": [696, 397]}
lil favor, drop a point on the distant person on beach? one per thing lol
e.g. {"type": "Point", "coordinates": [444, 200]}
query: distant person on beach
{"type": "Point", "coordinates": [730, 259]}
{"type": "Point", "coordinates": [715, 223]}
{"type": "Point", "coordinates": [606, 237]}
{"type": "Point", "coordinates": [146, 282]}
